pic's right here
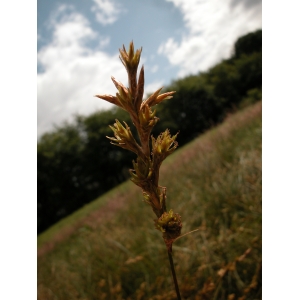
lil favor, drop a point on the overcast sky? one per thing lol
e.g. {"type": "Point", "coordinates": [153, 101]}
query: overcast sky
{"type": "Point", "coordinates": [78, 42]}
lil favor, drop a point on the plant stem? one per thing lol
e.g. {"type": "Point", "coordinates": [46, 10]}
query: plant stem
{"type": "Point", "coordinates": [174, 275]}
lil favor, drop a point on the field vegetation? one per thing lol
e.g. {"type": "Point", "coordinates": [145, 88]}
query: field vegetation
{"type": "Point", "coordinates": [110, 248]}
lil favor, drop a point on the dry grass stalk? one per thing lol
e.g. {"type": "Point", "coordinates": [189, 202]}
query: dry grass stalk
{"type": "Point", "coordinates": [150, 151]}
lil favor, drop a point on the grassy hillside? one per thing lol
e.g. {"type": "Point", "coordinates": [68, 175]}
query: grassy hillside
{"type": "Point", "coordinates": [111, 250]}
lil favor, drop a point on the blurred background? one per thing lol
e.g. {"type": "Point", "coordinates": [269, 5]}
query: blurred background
{"type": "Point", "coordinates": [207, 51]}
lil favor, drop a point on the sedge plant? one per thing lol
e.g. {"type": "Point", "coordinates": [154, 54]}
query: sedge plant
{"type": "Point", "coordinates": [150, 151]}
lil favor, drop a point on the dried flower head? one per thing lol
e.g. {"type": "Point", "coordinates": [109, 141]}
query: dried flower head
{"type": "Point", "coordinates": [150, 151]}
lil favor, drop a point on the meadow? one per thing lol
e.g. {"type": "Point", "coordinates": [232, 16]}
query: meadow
{"type": "Point", "coordinates": [110, 249]}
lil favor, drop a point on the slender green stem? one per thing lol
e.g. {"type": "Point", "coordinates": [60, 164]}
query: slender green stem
{"type": "Point", "coordinates": [174, 275]}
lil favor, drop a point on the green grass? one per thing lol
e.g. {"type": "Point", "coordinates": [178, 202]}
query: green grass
{"type": "Point", "coordinates": [69, 223]}
{"type": "Point", "coordinates": [214, 183]}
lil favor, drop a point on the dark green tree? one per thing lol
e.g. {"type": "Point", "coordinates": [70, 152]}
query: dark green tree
{"type": "Point", "coordinates": [76, 165]}
{"type": "Point", "coordinates": [248, 44]}
{"type": "Point", "coordinates": [59, 170]}
{"type": "Point", "coordinates": [193, 109]}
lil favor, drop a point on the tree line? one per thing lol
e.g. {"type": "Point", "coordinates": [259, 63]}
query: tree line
{"type": "Point", "coordinates": [76, 163]}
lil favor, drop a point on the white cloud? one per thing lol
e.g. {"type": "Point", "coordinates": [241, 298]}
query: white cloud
{"type": "Point", "coordinates": [213, 27]}
{"type": "Point", "coordinates": [106, 11]}
{"type": "Point", "coordinates": [73, 73]}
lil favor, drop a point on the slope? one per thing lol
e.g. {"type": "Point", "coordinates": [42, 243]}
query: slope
{"type": "Point", "coordinates": [111, 250]}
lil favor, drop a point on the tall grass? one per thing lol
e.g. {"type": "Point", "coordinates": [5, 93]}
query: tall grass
{"type": "Point", "coordinates": [215, 185]}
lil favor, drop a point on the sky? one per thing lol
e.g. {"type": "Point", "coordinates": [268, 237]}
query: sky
{"type": "Point", "coordinates": [281, 122]}
{"type": "Point", "coordinates": [78, 43]}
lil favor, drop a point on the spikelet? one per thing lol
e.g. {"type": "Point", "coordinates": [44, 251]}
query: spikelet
{"type": "Point", "coordinates": [145, 171]}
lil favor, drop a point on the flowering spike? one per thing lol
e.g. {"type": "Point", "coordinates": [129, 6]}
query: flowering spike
{"type": "Point", "coordinates": [110, 99]}
{"type": "Point", "coordinates": [140, 90]}
{"type": "Point", "coordinates": [145, 172]}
